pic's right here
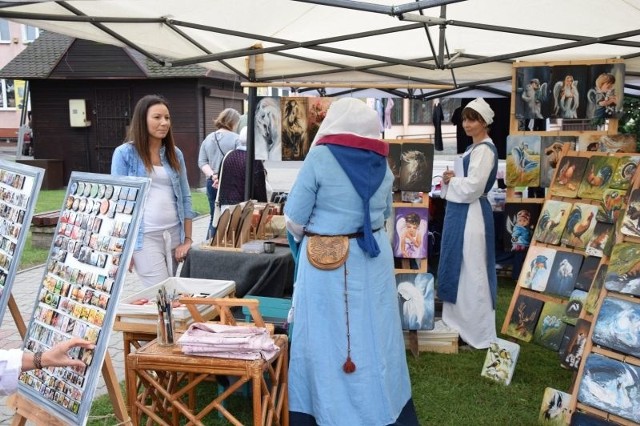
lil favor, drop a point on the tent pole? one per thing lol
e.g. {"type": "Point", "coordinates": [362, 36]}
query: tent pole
{"type": "Point", "coordinates": [251, 147]}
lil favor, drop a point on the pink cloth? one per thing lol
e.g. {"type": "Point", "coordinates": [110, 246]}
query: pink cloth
{"type": "Point", "coordinates": [228, 341]}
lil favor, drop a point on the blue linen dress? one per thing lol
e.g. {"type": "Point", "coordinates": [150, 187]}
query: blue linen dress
{"type": "Point", "coordinates": [324, 201]}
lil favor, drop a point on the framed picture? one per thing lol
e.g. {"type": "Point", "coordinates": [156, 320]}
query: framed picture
{"type": "Point", "coordinates": [77, 291]}
{"type": "Point", "coordinates": [416, 301]}
{"type": "Point", "coordinates": [19, 188]}
{"type": "Point", "coordinates": [410, 234]}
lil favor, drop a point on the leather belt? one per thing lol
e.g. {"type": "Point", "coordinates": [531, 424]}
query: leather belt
{"type": "Point", "coordinates": [352, 235]}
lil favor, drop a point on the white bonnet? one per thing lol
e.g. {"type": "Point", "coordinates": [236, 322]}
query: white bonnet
{"type": "Point", "coordinates": [242, 137]}
{"type": "Point", "coordinates": [352, 116]}
{"type": "Point", "coordinates": [482, 108]}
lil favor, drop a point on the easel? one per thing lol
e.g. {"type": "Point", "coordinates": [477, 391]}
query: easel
{"type": "Point", "coordinates": [27, 409]}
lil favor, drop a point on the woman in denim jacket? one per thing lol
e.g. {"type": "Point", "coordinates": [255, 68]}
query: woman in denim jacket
{"type": "Point", "coordinates": [166, 223]}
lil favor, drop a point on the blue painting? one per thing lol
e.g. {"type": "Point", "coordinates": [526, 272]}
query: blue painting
{"type": "Point", "coordinates": [416, 301]}
{"type": "Point", "coordinates": [618, 326]}
{"type": "Point", "coordinates": [564, 273]}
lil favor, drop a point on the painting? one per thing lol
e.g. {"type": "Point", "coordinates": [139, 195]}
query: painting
{"type": "Point", "coordinates": [410, 234]}
{"type": "Point", "coordinates": [393, 159]}
{"type": "Point", "coordinates": [623, 174]}
{"type": "Point", "coordinates": [623, 275]}
{"type": "Point", "coordinates": [267, 122]}
{"type": "Point", "coordinates": [550, 327]}
{"type": "Point", "coordinates": [520, 219]}
{"type": "Point", "coordinates": [524, 318]}
{"type": "Point", "coordinates": [611, 205]}
{"type": "Point", "coordinates": [583, 419]}
{"type": "Point", "coordinates": [550, 154]}
{"type": "Point", "coordinates": [295, 139]}
{"type": "Point", "coordinates": [601, 241]}
{"type": "Point", "coordinates": [606, 91]}
{"type": "Point", "coordinates": [566, 338]}
{"type": "Point", "coordinates": [500, 362]}
{"type": "Point", "coordinates": [537, 268]}
{"type": "Point", "coordinates": [612, 386]}
{"type": "Point", "coordinates": [416, 166]}
{"type": "Point", "coordinates": [580, 224]}
{"type": "Point", "coordinates": [568, 86]}
{"type": "Point", "coordinates": [532, 92]}
{"type": "Point", "coordinates": [564, 273]}
{"type": "Point", "coordinates": [607, 143]}
{"type": "Point", "coordinates": [318, 108]}
{"type": "Point", "coordinates": [552, 221]}
{"type": "Point", "coordinates": [597, 176]}
{"type": "Point", "coordinates": [574, 306]}
{"type": "Point", "coordinates": [568, 177]}
{"type": "Point", "coordinates": [554, 409]}
{"type": "Point", "coordinates": [416, 301]}
{"type": "Point", "coordinates": [571, 357]}
{"type": "Point", "coordinates": [618, 326]}
{"type": "Point", "coordinates": [631, 218]}
{"type": "Point", "coordinates": [593, 296]}
{"type": "Point", "coordinates": [587, 272]}
{"type": "Point", "coordinates": [523, 161]}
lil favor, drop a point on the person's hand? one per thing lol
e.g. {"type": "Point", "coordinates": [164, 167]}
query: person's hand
{"type": "Point", "coordinates": [215, 182]}
{"type": "Point", "coordinates": [447, 175]}
{"type": "Point", "coordinates": [182, 250]}
{"type": "Point", "coordinates": [131, 265]}
{"type": "Point", "coordinates": [57, 356]}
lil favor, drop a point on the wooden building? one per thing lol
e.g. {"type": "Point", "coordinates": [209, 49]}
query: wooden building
{"type": "Point", "coordinates": [107, 81]}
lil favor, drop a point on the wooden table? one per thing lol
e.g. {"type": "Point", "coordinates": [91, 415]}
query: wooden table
{"type": "Point", "coordinates": [160, 381]}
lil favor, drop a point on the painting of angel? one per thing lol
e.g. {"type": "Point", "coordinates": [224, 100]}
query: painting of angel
{"type": "Point", "coordinates": [267, 129]}
{"type": "Point", "coordinates": [618, 326]}
{"type": "Point", "coordinates": [601, 241]}
{"type": "Point", "coordinates": [597, 176]}
{"type": "Point", "coordinates": [523, 161]}
{"type": "Point", "coordinates": [524, 318]}
{"type": "Point", "coordinates": [607, 143]}
{"type": "Point", "coordinates": [572, 356]}
{"type": "Point", "coordinates": [612, 386]}
{"type": "Point", "coordinates": [410, 236]}
{"type": "Point", "coordinates": [520, 224]}
{"type": "Point", "coordinates": [295, 140]}
{"type": "Point", "coordinates": [580, 224]}
{"type": "Point", "coordinates": [550, 327]}
{"type": "Point", "coordinates": [623, 275]}
{"type": "Point", "coordinates": [594, 291]}
{"type": "Point", "coordinates": [564, 273]}
{"type": "Point", "coordinates": [606, 92]}
{"type": "Point", "coordinates": [552, 221]}
{"type": "Point", "coordinates": [631, 218]}
{"type": "Point", "coordinates": [318, 108]}
{"type": "Point", "coordinates": [550, 152]}
{"type": "Point", "coordinates": [568, 176]}
{"type": "Point", "coordinates": [554, 409]}
{"type": "Point", "coordinates": [537, 268]}
{"type": "Point", "coordinates": [532, 92]}
{"type": "Point", "coordinates": [395, 150]}
{"type": "Point", "coordinates": [416, 301]}
{"type": "Point", "coordinates": [574, 306]}
{"type": "Point", "coordinates": [568, 90]}
{"type": "Point", "coordinates": [500, 362]}
{"type": "Point", "coordinates": [416, 166]}
{"type": "Point", "coordinates": [611, 205]}
{"type": "Point", "coordinates": [587, 272]}
{"type": "Point", "coordinates": [625, 171]}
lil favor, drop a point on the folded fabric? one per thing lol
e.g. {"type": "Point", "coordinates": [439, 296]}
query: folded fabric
{"type": "Point", "coordinates": [228, 341]}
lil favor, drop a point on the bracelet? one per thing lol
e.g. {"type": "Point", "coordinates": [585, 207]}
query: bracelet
{"type": "Point", "coordinates": [188, 238]}
{"type": "Point", "coordinates": [37, 360]}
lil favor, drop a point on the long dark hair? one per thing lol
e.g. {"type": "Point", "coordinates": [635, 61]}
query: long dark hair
{"type": "Point", "coordinates": [139, 133]}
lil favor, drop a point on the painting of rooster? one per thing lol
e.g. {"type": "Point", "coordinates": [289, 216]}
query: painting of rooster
{"type": "Point", "coordinates": [550, 155]}
{"type": "Point", "coordinates": [552, 222]}
{"type": "Point", "coordinates": [580, 224]}
{"type": "Point", "coordinates": [568, 176]}
{"type": "Point", "coordinates": [597, 176]}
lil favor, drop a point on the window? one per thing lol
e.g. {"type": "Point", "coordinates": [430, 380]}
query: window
{"type": "Point", "coordinates": [29, 33]}
{"type": "Point", "coordinates": [397, 111]}
{"type": "Point", "coordinates": [8, 94]}
{"type": "Point", "coordinates": [5, 35]}
{"type": "Point", "coordinates": [420, 111]}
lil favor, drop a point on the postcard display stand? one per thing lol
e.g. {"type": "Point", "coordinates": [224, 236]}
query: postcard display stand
{"type": "Point", "coordinates": [19, 188]}
{"type": "Point", "coordinates": [86, 267]}
{"type": "Point", "coordinates": [607, 380]}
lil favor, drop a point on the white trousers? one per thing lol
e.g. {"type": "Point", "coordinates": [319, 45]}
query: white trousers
{"type": "Point", "coordinates": [156, 261]}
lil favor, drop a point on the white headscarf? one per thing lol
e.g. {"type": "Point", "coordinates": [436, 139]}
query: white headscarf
{"type": "Point", "coordinates": [242, 137]}
{"type": "Point", "coordinates": [482, 108]}
{"type": "Point", "coordinates": [350, 116]}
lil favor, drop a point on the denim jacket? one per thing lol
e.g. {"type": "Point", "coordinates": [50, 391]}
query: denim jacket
{"type": "Point", "coordinates": [127, 162]}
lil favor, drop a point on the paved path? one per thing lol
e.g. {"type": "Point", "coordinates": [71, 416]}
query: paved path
{"type": "Point", "coordinates": [24, 290]}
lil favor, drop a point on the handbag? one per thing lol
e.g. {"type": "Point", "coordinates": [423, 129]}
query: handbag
{"type": "Point", "coordinates": [327, 252]}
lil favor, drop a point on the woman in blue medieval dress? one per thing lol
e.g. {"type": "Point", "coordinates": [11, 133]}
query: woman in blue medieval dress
{"type": "Point", "coordinates": [467, 282]}
{"type": "Point", "coordinates": [348, 363]}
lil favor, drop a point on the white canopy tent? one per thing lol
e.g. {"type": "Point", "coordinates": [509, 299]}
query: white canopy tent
{"type": "Point", "coordinates": [420, 48]}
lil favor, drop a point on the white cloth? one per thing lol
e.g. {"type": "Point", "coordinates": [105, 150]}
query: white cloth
{"type": "Point", "coordinates": [151, 263]}
{"type": "Point", "coordinates": [340, 120]}
{"type": "Point", "coordinates": [161, 209]}
{"type": "Point", "coordinates": [10, 368]}
{"type": "Point", "coordinates": [472, 315]}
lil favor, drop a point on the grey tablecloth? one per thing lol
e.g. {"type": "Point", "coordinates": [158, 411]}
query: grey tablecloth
{"type": "Point", "coordinates": [259, 274]}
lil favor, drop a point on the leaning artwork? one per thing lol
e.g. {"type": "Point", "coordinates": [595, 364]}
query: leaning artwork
{"type": "Point", "coordinates": [631, 219]}
{"type": "Point", "coordinates": [554, 410]}
{"type": "Point", "coordinates": [568, 176]}
{"type": "Point", "coordinates": [524, 318]}
{"type": "Point", "coordinates": [550, 327]}
{"type": "Point", "coordinates": [580, 225]}
{"type": "Point", "coordinates": [550, 154]}
{"type": "Point", "coordinates": [611, 205]}
{"type": "Point", "coordinates": [607, 143]}
{"type": "Point", "coordinates": [564, 273]}
{"type": "Point", "coordinates": [625, 171]}
{"type": "Point", "coordinates": [537, 268]}
{"type": "Point", "coordinates": [523, 161]}
{"type": "Point", "coordinates": [597, 176]}
{"type": "Point", "coordinates": [612, 386]}
{"type": "Point", "coordinates": [623, 274]}
{"type": "Point", "coordinates": [574, 306]}
{"type": "Point", "coordinates": [410, 236]}
{"type": "Point", "coordinates": [618, 326]}
{"type": "Point", "coordinates": [552, 221]}
{"type": "Point", "coordinates": [416, 300]}
{"type": "Point", "coordinates": [521, 219]}
{"type": "Point", "coordinates": [500, 361]}
{"type": "Point", "coordinates": [593, 296]}
{"type": "Point", "coordinates": [572, 356]}
{"type": "Point", "coordinates": [579, 418]}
